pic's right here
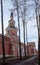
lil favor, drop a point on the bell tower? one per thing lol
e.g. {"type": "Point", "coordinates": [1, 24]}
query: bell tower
{"type": "Point", "coordinates": [11, 30]}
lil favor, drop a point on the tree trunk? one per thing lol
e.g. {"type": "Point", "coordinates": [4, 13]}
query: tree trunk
{"type": "Point", "coordinates": [3, 48]}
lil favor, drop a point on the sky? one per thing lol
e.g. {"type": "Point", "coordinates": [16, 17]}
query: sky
{"type": "Point", "coordinates": [32, 34]}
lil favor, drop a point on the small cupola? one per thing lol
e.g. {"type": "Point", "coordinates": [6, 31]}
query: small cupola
{"type": "Point", "coordinates": [11, 21]}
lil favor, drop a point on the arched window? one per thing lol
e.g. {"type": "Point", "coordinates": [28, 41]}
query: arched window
{"type": "Point", "coordinates": [10, 23]}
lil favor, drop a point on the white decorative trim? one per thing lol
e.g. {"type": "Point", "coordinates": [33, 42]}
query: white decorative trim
{"type": "Point", "coordinates": [1, 56]}
{"type": "Point", "coordinates": [14, 44]}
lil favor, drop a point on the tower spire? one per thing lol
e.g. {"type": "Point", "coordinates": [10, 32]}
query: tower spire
{"type": "Point", "coordinates": [11, 15]}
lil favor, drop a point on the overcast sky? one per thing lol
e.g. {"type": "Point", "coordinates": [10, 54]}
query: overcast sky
{"type": "Point", "coordinates": [31, 24]}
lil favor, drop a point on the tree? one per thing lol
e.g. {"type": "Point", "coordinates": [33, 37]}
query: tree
{"type": "Point", "coordinates": [16, 3]}
{"type": "Point", "coordinates": [23, 20]}
{"type": "Point", "coordinates": [36, 10]}
{"type": "Point", "coordinates": [27, 40]}
{"type": "Point", "coordinates": [3, 48]}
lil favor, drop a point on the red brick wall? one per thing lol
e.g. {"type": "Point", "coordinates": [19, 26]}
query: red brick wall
{"type": "Point", "coordinates": [31, 47]}
{"type": "Point", "coordinates": [0, 48]}
{"type": "Point", "coordinates": [6, 45]}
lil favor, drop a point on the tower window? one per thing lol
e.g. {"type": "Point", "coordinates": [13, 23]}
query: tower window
{"type": "Point", "coordinates": [12, 23]}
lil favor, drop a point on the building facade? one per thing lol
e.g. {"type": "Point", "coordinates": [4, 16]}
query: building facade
{"type": "Point", "coordinates": [11, 32]}
{"type": "Point", "coordinates": [32, 48]}
{"type": "Point", "coordinates": [12, 41]}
